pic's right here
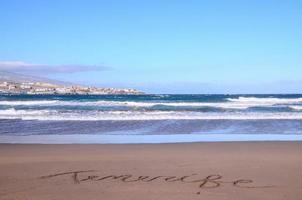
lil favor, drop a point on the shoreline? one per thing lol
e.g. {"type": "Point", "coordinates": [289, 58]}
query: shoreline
{"type": "Point", "coordinates": [146, 139]}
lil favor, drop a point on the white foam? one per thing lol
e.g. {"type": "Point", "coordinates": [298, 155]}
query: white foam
{"type": "Point", "coordinates": [141, 115]}
{"type": "Point", "coordinates": [13, 112]}
{"type": "Point", "coordinates": [232, 103]}
{"type": "Point", "coordinates": [296, 107]}
{"type": "Point", "coordinates": [266, 100]}
{"type": "Point", "coordinates": [20, 103]}
{"type": "Point", "coordinates": [224, 105]}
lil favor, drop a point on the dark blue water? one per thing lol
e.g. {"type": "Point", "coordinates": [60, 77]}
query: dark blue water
{"type": "Point", "coordinates": [150, 114]}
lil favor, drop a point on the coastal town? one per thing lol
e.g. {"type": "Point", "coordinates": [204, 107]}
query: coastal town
{"type": "Point", "coordinates": [49, 88]}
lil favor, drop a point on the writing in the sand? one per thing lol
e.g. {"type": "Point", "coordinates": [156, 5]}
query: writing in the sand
{"type": "Point", "coordinates": [205, 182]}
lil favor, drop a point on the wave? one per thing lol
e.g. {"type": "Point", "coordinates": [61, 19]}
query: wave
{"type": "Point", "coordinates": [230, 103]}
{"type": "Point", "coordinates": [225, 105]}
{"type": "Point", "coordinates": [27, 103]}
{"type": "Point", "coordinates": [13, 112]}
{"type": "Point", "coordinates": [296, 108]}
{"type": "Point", "coordinates": [140, 115]}
{"type": "Point", "coordinates": [265, 100]}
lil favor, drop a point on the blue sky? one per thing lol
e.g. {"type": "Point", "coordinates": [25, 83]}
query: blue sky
{"type": "Point", "coordinates": [157, 46]}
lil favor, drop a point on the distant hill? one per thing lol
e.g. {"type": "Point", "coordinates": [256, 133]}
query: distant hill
{"type": "Point", "coordinates": [25, 84]}
{"type": "Point", "coordinates": [21, 78]}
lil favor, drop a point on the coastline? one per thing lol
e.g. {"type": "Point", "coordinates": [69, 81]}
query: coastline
{"type": "Point", "coordinates": [218, 170]}
{"type": "Point", "coordinates": [145, 139]}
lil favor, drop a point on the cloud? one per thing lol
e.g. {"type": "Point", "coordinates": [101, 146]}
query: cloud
{"type": "Point", "coordinates": [20, 66]}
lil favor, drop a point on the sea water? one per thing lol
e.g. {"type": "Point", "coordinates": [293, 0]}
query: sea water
{"type": "Point", "coordinates": [149, 118]}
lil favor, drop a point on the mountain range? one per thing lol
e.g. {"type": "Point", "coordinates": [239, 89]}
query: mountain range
{"type": "Point", "coordinates": [22, 78]}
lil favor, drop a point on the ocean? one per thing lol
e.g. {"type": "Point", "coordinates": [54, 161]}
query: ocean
{"type": "Point", "coordinates": [150, 117]}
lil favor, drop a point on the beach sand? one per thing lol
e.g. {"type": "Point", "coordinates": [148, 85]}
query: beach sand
{"type": "Point", "coordinates": [230, 170]}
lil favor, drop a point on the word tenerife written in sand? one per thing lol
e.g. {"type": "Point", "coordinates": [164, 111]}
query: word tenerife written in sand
{"type": "Point", "coordinates": [207, 182]}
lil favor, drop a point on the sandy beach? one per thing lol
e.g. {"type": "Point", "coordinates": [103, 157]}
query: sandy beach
{"type": "Point", "coordinates": [230, 170]}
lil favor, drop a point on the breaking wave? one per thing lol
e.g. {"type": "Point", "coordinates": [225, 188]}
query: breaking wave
{"type": "Point", "coordinates": [229, 103]}
{"type": "Point", "coordinates": [296, 108]}
{"type": "Point", "coordinates": [157, 107]}
{"type": "Point", "coordinates": [271, 100]}
{"type": "Point", "coordinates": [150, 114]}
{"type": "Point", "coordinates": [28, 103]}
{"type": "Point", "coordinates": [139, 115]}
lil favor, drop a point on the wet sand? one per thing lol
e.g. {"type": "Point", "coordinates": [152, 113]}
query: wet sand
{"type": "Point", "coordinates": [229, 170]}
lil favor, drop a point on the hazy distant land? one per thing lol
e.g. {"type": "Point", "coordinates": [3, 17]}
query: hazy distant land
{"type": "Point", "coordinates": [14, 83]}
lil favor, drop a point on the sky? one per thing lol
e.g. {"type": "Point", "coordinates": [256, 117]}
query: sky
{"type": "Point", "coordinates": [158, 46]}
